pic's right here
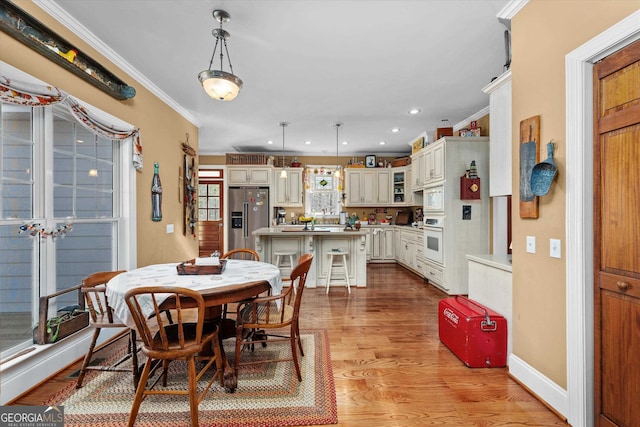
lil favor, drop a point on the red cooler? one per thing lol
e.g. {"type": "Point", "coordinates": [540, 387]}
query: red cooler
{"type": "Point", "coordinates": [473, 332]}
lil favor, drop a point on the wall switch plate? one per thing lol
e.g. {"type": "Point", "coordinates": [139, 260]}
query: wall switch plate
{"type": "Point", "coordinates": [555, 248]}
{"type": "Point", "coordinates": [531, 244]}
{"type": "Point", "coordinates": [169, 228]}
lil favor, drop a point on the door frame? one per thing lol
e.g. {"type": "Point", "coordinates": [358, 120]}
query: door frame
{"type": "Point", "coordinates": [579, 213]}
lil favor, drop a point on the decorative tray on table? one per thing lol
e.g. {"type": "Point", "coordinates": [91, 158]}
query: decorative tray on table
{"type": "Point", "coordinates": [191, 268]}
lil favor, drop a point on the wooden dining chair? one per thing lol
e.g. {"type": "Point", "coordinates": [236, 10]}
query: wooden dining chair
{"type": "Point", "coordinates": [259, 319]}
{"type": "Point", "coordinates": [241, 253]}
{"type": "Point", "coordinates": [101, 317]}
{"type": "Point", "coordinates": [184, 339]}
{"type": "Point", "coordinates": [245, 254]}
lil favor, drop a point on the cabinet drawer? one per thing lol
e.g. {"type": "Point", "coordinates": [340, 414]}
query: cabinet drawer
{"type": "Point", "coordinates": [433, 274]}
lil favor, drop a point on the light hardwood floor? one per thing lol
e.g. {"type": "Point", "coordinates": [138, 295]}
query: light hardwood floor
{"type": "Point", "coordinates": [389, 366]}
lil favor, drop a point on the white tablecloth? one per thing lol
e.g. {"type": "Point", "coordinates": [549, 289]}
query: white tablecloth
{"type": "Point", "coordinates": [236, 272]}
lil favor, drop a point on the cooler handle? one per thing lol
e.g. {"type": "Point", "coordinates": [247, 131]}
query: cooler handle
{"type": "Point", "coordinates": [486, 325]}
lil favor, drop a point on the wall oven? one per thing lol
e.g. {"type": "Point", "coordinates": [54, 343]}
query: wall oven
{"type": "Point", "coordinates": [434, 239]}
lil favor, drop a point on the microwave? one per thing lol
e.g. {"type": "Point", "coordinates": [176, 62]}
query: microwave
{"type": "Point", "coordinates": [433, 199]}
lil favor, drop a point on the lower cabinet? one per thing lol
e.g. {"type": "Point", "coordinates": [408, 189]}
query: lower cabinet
{"type": "Point", "coordinates": [382, 245]}
{"type": "Point", "coordinates": [409, 249]}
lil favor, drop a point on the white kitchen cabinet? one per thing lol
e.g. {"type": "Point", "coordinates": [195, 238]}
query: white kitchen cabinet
{"type": "Point", "coordinates": [418, 170]}
{"type": "Point", "coordinates": [407, 252]}
{"type": "Point", "coordinates": [400, 186]}
{"type": "Point", "coordinates": [464, 222]}
{"type": "Point", "coordinates": [249, 175]}
{"type": "Point", "coordinates": [288, 191]}
{"type": "Point", "coordinates": [499, 92]}
{"type": "Point", "coordinates": [360, 185]}
{"type": "Point", "coordinates": [368, 187]}
{"type": "Point", "coordinates": [434, 163]}
{"type": "Point", "coordinates": [382, 244]}
{"type": "Point", "coordinates": [383, 182]}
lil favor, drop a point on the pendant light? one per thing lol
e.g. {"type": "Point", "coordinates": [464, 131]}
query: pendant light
{"type": "Point", "coordinates": [283, 173]}
{"type": "Point", "coordinates": [337, 126]}
{"type": "Point", "coordinates": [219, 84]}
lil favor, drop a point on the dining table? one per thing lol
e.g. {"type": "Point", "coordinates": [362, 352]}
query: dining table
{"type": "Point", "coordinates": [239, 280]}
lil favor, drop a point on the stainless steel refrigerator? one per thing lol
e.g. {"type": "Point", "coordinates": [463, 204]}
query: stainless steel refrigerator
{"type": "Point", "coordinates": [249, 210]}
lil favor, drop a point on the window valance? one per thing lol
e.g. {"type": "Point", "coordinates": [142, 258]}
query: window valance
{"type": "Point", "coordinates": [21, 93]}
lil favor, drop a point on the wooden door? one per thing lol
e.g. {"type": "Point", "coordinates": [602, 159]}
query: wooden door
{"type": "Point", "coordinates": [210, 212]}
{"type": "Point", "coordinates": [617, 238]}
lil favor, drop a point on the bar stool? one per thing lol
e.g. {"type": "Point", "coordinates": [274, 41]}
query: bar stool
{"type": "Point", "coordinates": [341, 255]}
{"type": "Point", "coordinates": [282, 256]}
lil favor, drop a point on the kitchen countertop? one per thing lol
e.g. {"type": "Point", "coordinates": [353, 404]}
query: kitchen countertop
{"type": "Point", "coordinates": [297, 230]}
{"type": "Point", "coordinates": [502, 262]}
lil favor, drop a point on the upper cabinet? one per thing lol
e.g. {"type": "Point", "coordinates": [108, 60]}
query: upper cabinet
{"type": "Point", "coordinates": [249, 175]}
{"type": "Point", "coordinates": [500, 161]}
{"type": "Point", "coordinates": [361, 186]}
{"type": "Point", "coordinates": [400, 186]}
{"type": "Point", "coordinates": [434, 162]}
{"type": "Point", "coordinates": [368, 187]}
{"type": "Point", "coordinates": [288, 191]}
{"type": "Point", "coordinates": [428, 165]}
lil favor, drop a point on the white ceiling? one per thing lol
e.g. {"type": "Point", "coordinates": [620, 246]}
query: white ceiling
{"type": "Point", "coordinates": [308, 62]}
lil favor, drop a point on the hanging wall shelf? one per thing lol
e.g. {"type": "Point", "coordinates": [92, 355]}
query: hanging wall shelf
{"type": "Point", "coordinates": [34, 34]}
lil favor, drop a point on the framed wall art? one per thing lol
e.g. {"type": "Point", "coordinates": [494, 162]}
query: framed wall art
{"type": "Point", "coordinates": [370, 161]}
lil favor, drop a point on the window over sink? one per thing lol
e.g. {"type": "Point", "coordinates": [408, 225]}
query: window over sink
{"type": "Point", "coordinates": [323, 191]}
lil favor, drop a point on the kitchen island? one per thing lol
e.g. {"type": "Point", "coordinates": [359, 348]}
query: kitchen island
{"type": "Point", "coordinates": [317, 242]}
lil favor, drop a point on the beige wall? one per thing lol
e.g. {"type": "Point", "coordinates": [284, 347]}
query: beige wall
{"type": "Point", "coordinates": [543, 33]}
{"type": "Point", "coordinates": [161, 129]}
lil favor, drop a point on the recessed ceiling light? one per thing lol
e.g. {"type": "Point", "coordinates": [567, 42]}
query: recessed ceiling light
{"type": "Point", "coordinates": [395, 130]}
{"type": "Point", "coordinates": [345, 142]}
{"type": "Point", "coordinates": [414, 111]}
{"type": "Point", "coordinates": [269, 142]}
{"type": "Point", "coordinates": [382, 142]}
{"type": "Point", "coordinates": [79, 141]}
{"type": "Point", "coordinates": [307, 142]}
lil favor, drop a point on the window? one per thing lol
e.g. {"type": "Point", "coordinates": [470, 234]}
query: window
{"type": "Point", "coordinates": [54, 174]}
{"type": "Point", "coordinates": [323, 191]}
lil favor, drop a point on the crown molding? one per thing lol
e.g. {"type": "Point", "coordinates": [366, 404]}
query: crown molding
{"type": "Point", "coordinates": [60, 15]}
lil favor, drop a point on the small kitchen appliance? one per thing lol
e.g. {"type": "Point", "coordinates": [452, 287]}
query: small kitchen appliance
{"type": "Point", "coordinates": [280, 215]}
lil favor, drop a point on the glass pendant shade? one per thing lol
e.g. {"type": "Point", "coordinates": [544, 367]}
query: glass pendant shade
{"type": "Point", "coordinates": [220, 85]}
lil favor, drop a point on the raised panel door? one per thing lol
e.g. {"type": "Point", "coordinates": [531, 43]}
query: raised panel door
{"type": "Point", "coordinates": [384, 187]}
{"type": "Point", "coordinates": [438, 163]}
{"type": "Point", "coordinates": [389, 252]}
{"type": "Point", "coordinates": [368, 185]}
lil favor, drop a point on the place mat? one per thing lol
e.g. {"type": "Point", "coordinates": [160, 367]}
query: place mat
{"type": "Point", "coordinates": [268, 395]}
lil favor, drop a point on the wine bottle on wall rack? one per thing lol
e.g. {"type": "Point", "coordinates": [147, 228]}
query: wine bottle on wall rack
{"type": "Point", "coordinates": [156, 195]}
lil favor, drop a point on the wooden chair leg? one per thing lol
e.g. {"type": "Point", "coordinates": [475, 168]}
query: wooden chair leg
{"type": "Point", "coordinates": [87, 358]}
{"type": "Point", "coordinates": [134, 357]}
{"type": "Point", "coordinates": [142, 384]}
{"type": "Point", "coordinates": [193, 392]}
{"type": "Point", "coordinates": [294, 353]}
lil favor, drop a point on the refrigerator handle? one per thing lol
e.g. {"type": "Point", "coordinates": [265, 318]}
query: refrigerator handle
{"type": "Point", "coordinates": [245, 213]}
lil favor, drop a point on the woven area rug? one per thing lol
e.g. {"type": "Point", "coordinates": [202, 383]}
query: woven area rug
{"type": "Point", "coordinates": [267, 394]}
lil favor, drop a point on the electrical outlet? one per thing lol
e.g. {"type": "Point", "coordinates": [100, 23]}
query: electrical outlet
{"type": "Point", "coordinates": [169, 228]}
{"type": "Point", "coordinates": [555, 248]}
{"type": "Point", "coordinates": [531, 244]}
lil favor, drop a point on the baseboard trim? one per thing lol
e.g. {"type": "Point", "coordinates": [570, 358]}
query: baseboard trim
{"type": "Point", "coordinates": [23, 373]}
{"type": "Point", "coordinates": [552, 395]}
